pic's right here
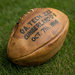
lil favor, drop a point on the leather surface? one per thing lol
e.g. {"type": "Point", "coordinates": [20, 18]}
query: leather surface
{"type": "Point", "coordinates": [34, 31]}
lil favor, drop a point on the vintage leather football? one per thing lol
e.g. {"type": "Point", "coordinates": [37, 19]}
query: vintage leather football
{"type": "Point", "coordinates": [37, 36]}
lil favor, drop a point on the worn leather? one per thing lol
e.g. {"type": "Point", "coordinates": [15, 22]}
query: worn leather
{"type": "Point", "coordinates": [37, 36]}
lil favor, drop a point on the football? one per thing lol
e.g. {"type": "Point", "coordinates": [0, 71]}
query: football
{"type": "Point", "coordinates": [37, 36]}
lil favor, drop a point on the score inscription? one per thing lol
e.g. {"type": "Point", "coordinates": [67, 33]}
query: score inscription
{"type": "Point", "coordinates": [39, 22]}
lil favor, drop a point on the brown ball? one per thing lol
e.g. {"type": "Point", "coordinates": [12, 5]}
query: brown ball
{"type": "Point", "coordinates": [37, 36]}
